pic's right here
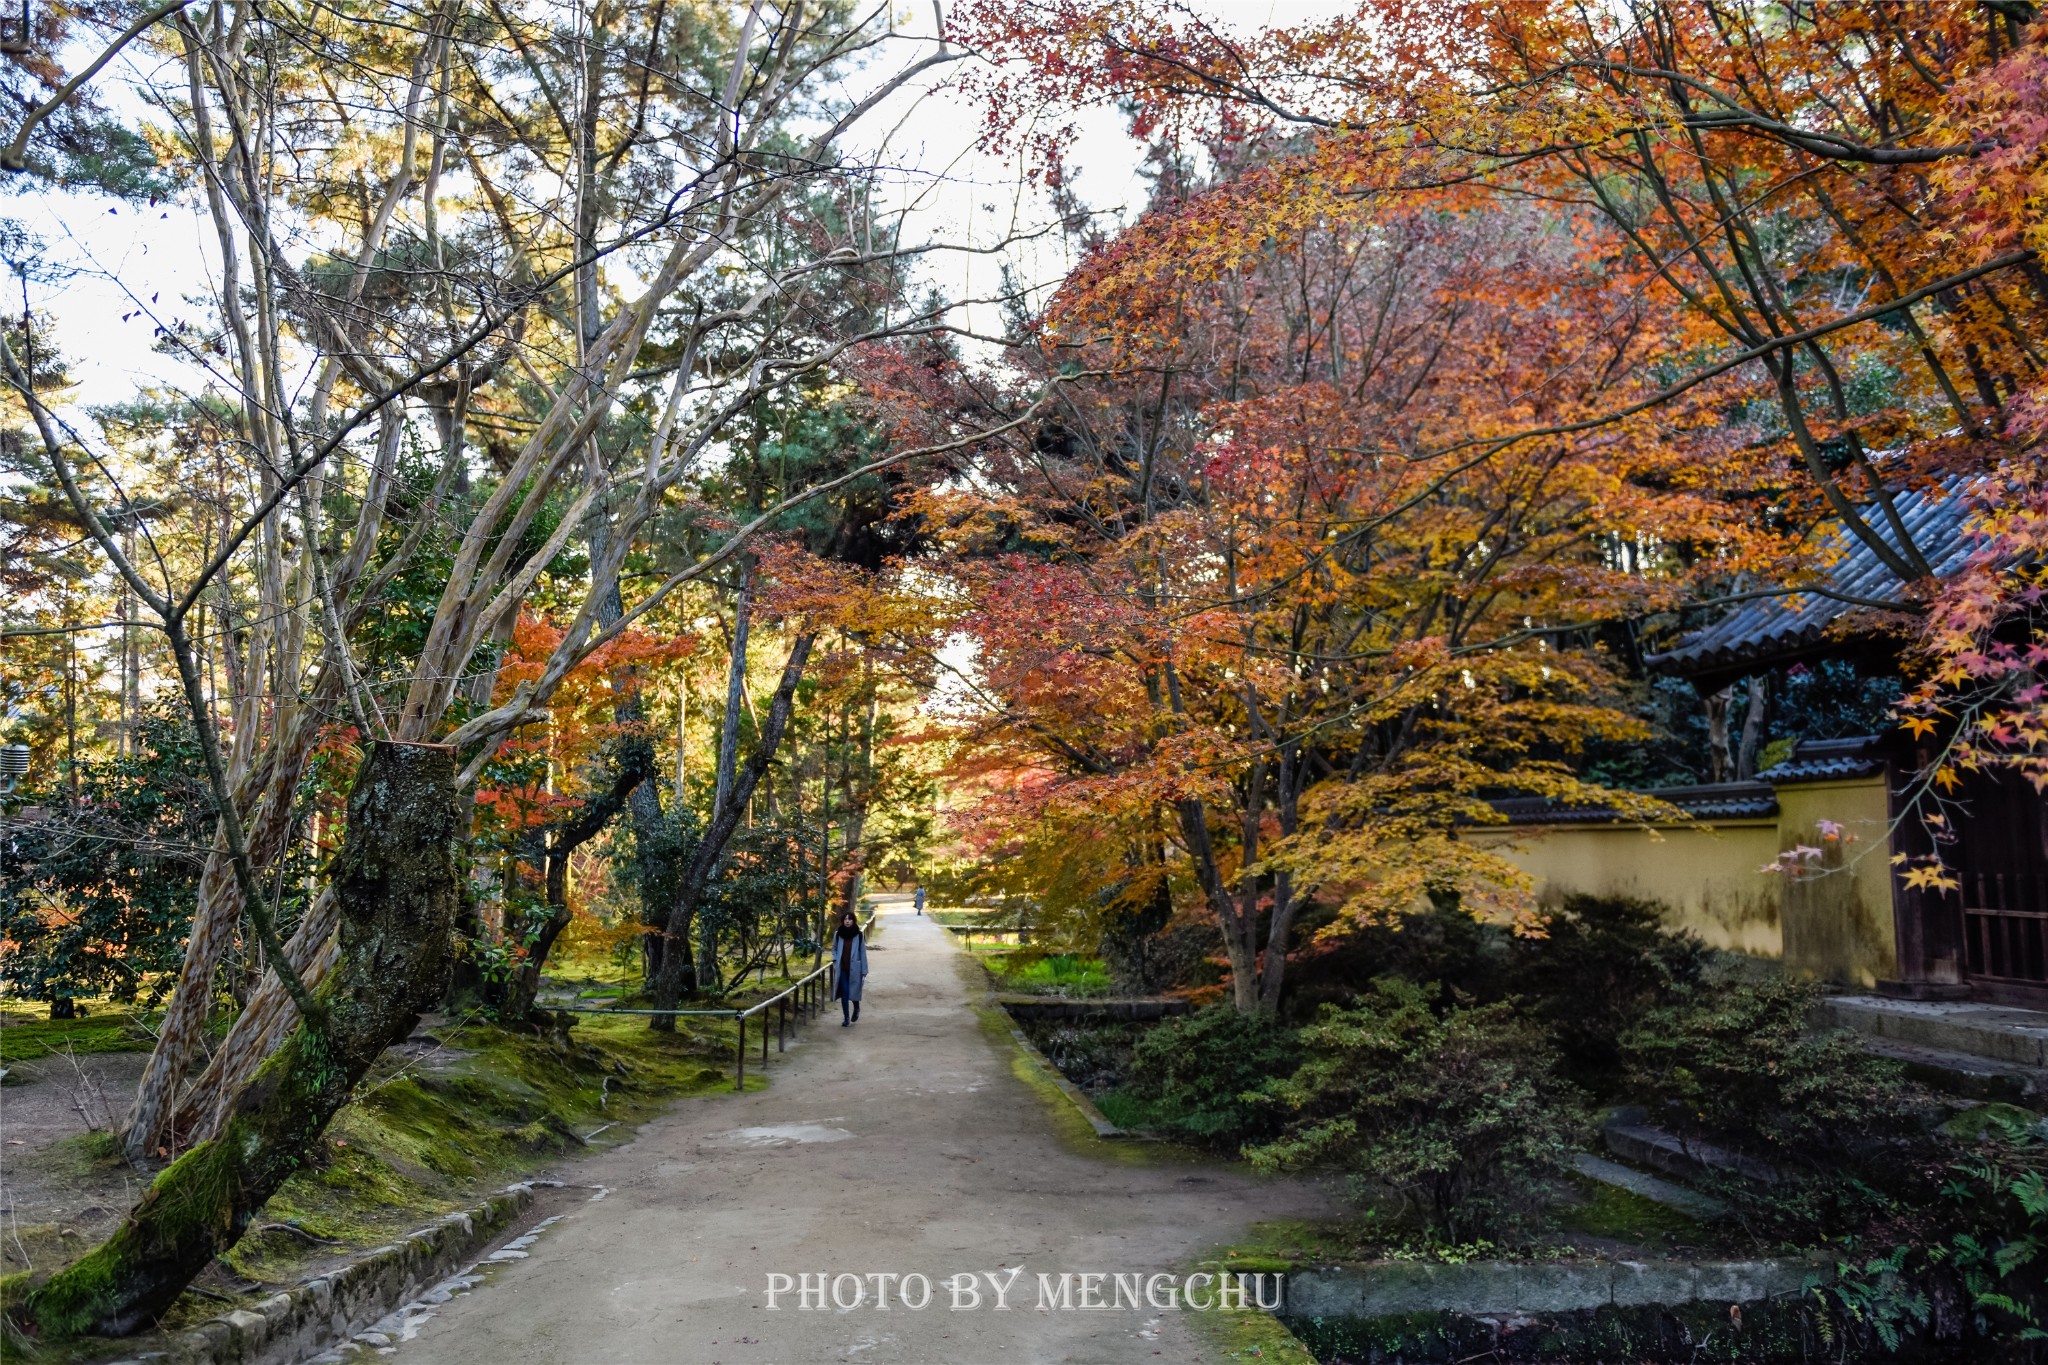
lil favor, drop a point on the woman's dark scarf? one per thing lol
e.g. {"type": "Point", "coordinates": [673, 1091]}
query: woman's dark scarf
{"type": "Point", "coordinates": [844, 951]}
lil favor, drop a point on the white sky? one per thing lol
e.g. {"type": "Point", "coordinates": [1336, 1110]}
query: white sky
{"type": "Point", "coordinates": [112, 255]}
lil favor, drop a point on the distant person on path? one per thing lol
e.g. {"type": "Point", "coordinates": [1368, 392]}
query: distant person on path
{"type": "Point", "coordinates": [919, 898]}
{"type": "Point", "coordinates": [850, 958]}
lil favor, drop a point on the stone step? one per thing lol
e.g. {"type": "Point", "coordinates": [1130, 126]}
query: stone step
{"type": "Point", "coordinates": [1642, 1144]}
{"type": "Point", "coordinates": [1997, 1033]}
{"type": "Point", "coordinates": [1691, 1203]}
{"type": "Point", "coordinates": [1963, 1075]}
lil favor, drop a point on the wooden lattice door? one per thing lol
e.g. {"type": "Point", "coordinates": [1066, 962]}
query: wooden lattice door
{"type": "Point", "coordinates": [2000, 854]}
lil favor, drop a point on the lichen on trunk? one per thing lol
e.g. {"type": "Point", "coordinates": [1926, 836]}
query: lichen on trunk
{"type": "Point", "coordinates": [396, 881]}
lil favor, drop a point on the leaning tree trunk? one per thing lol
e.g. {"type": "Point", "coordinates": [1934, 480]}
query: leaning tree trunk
{"type": "Point", "coordinates": [266, 797]}
{"type": "Point", "coordinates": [636, 766]}
{"type": "Point", "coordinates": [260, 1029]}
{"type": "Point", "coordinates": [724, 810]}
{"type": "Point", "coordinates": [696, 878]}
{"type": "Point", "coordinates": [396, 883]}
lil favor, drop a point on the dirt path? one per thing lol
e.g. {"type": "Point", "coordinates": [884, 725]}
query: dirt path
{"type": "Point", "coordinates": [55, 1200]}
{"type": "Point", "coordinates": [902, 1145]}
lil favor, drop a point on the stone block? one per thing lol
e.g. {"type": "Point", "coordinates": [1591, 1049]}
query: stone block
{"type": "Point", "coordinates": [1633, 1284]}
{"type": "Point", "coordinates": [215, 1337]}
{"type": "Point", "coordinates": [1559, 1287]}
{"type": "Point", "coordinates": [1495, 1289]}
{"type": "Point", "coordinates": [250, 1330]}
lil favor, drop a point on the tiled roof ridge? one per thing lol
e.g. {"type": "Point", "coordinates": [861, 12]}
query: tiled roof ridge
{"type": "Point", "coordinates": [1770, 628]}
{"type": "Point", "coordinates": [1811, 760]}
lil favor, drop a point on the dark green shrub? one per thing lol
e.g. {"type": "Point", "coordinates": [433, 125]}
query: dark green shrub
{"type": "Point", "coordinates": [1192, 1075]}
{"type": "Point", "coordinates": [1732, 1059]}
{"type": "Point", "coordinates": [1603, 964]}
{"type": "Point", "coordinates": [1441, 944]}
{"type": "Point", "coordinates": [97, 891]}
{"type": "Point", "coordinates": [1732, 1063]}
{"type": "Point", "coordinates": [1459, 1110]}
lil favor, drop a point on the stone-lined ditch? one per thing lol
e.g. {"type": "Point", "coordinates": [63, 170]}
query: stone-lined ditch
{"type": "Point", "coordinates": [1617, 1302]}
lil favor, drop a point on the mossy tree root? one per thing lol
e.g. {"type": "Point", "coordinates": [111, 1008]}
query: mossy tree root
{"type": "Point", "coordinates": [399, 891]}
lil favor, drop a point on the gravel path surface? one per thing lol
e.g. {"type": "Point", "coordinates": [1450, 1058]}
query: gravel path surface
{"type": "Point", "coordinates": [903, 1145]}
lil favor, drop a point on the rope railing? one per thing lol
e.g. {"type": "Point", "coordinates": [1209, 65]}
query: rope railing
{"type": "Point", "coordinates": [795, 1003]}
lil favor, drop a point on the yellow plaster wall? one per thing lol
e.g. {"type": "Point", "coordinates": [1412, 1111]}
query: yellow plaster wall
{"type": "Point", "coordinates": [1838, 914]}
{"type": "Point", "coordinates": [1706, 879]}
{"type": "Point", "coordinates": [1833, 919]}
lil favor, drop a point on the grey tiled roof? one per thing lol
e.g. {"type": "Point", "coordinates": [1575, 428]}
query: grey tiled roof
{"type": "Point", "coordinates": [1814, 760]}
{"type": "Point", "coordinates": [1725, 801]}
{"type": "Point", "coordinates": [1772, 629]}
{"type": "Point", "coordinates": [1825, 760]}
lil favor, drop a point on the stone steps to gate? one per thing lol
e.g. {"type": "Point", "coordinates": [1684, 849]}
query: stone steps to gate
{"type": "Point", "coordinates": [1993, 1033]}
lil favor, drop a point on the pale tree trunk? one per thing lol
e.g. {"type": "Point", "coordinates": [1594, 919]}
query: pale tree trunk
{"type": "Point", "coordinates": [1753, 716]}
{"type": "Point", "coordinates": [858, 802]}
{"type": "Point", "coordinates": [1286, 905]}
{"type": "Point", "coordinates": [1717, 734]}
{"type": "Point", "coordinates": [262, 1025]}
{"type": "Point", "coordinates": [398, 888]}
{"type": "Point", "coordinates": [1256, 976]}
{"type": "Point", "coordinates": [215, 922]}
{"type": "Point", "coordinates": [1239, 925]}
{"type": "Point", "coordinates": [1239, 936]}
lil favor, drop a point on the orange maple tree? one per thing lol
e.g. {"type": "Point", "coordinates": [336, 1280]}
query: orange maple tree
{"type": "Point", "coordinates": [550, 790]}
{"type": "Point", "coordinates": [1481, 326]}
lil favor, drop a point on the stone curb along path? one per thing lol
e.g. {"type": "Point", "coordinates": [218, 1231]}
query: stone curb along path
{"type": "Point", "coordinates": [1074, 1094]}
{"type": "Point", "coordinates": [336, 1308]}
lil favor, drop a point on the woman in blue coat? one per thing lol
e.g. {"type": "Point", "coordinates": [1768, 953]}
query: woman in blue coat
{"type": "Point", "coordinates": [850, 967]}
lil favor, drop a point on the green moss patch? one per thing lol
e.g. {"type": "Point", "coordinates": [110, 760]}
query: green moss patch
{"type": "Point", "coordinates": [1627, 1217]}
{"type": "Point", "coordinates": [427, 1136]}
{"type": "Point", "coordinates": [1990, 1120]}
{"type": "Point", "coordinates": [24, 1040]}
{"type": "Point", "coordinates": [1251, 1336]}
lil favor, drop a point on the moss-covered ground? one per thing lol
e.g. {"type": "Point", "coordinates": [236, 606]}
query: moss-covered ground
{"type": "Point", "coordinates": [26, 1036]}
{"type": "Point", "coordinates": [1250, 1336]}
{"type": "Point", "coordinates": [1644, 1225]}
{"type": "Point", "coordinates": [434, 1132]}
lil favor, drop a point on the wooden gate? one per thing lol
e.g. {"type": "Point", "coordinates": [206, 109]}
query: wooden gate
{"type": "Point", "coordinates": [2000, 855]}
